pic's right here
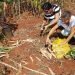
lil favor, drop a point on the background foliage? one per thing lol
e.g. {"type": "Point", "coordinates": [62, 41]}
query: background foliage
{"type": "Point", "coordinates": [16, 7]}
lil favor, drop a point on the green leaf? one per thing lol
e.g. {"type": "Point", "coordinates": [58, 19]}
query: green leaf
{"type": "Point", "coordinates": [72, 53]}
{"type": "Point", "coordinates": [4, 49]}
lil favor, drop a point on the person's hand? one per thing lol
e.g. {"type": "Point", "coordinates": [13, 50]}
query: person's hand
{"type": "Point", "coordinates": [48, 41]}
{"type": "Point", "coordinates": [45, 27]}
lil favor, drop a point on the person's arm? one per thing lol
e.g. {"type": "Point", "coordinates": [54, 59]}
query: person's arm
{"type": "Point", "coordinates": [71, 35]}
{"type": "Point", "coordinates": [50, 33]}
{"type": "Point", "coordinates": [44, 22]}
{"type": "Point", "coordinates": [43, 27]}
{"type": "Point", "coordinates": [57, 16]}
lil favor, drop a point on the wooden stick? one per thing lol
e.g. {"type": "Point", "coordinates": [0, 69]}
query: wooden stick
{"type": "Point", "coordinates": [3, 63]}
{"type": "Point", "coordinates": [52, 73]}
{"type": "Point", "coordinates": [34, 70]}
{"type": "Point", "coordinates": [20, 69]}
{"type": "Point", "coordinates": [51, 52]}
{"type": "Point", "coordinates": [29, 68]}
{"type": "Point", "coordinates": [2, 55]}
{"type": "Point", "coordinates": [2, 52]}
{"type": "Point", "coordinates": [24, 62]}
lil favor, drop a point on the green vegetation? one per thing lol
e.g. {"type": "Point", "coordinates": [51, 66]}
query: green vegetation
{"type": "Point", "coordinates": [71, 54]}
{"type": "Point", "coordinates": [4, 49]}
{"type": "Point", "coordinates": [17, 6]}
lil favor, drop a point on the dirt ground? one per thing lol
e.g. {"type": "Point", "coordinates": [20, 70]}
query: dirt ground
{"type": "Point", "coordinates": [28, 54]}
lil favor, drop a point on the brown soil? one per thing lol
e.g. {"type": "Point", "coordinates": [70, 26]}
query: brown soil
{"type": "Point", "coordinates": [29, 28]}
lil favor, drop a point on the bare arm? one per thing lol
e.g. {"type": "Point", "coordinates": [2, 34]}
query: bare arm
{"type": "Point", "coordinates": [44, 23]}
{"type": "Point", "coordinates": [71, 34]}
{"type": "Point", "coordinates": [51, 32]}
{"type": "Point", "coordinates": [57, 16]}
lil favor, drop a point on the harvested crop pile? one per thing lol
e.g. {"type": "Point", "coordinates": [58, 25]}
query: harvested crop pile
{"type": "Point", "coordinates": [60, 50]}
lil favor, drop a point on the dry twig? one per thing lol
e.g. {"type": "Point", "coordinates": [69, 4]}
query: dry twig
{"type": "Point", "coordinates": [3, 63]}
{"type": "Point", "coordinates": [35, 71]}
{"type": "Point", "coordinates": [19, 70]}
{"type": "Point", "coordinates": [52, 73]}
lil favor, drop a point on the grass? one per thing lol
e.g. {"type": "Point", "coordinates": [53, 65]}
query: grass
{"type": "Point", "coordinates": [4, 49]}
